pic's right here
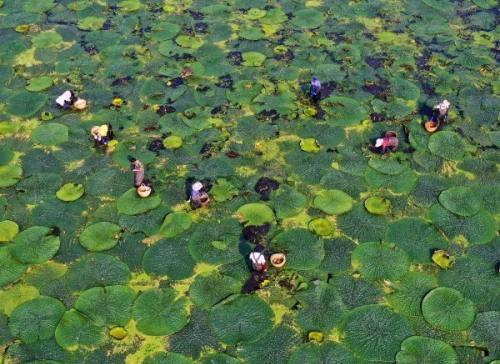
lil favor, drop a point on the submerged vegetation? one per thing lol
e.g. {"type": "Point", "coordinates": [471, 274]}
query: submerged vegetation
{"type": "Point", "coordinates": [388, 258]}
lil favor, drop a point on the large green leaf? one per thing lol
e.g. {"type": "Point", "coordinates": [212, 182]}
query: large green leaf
{"type": "Point", "coordinates": [110, 305]}
{"type": "Point", "coordinates": [303, 249]}
{"type": "Point", "coordinates": [446, 309]}
{"type": "Point", "coordinates": [327, 353]}
{"type": "Point", "coordinates": [12, 269]}
{"type": "Point", "coordinates": [76, 331]}
{"type": "Point", "coordinates": [375, 333]}
{"type": "Point", "coordinates": [158, 312]}
{"type": "Point", "coordinates": [8, 230]}
{"type": "Point", "coordinates": [207, 291]}
{"type": "Point", "coordinates": [51, 134]}
{"type": "Point", "coordinates": [35, 245]}
{"type": "Point", "coordinates": [36, 319]}
{"type": "Point", "coordinates": [461, 201]}
{"type": "Point", "coordinates": [419, 349]}
{"type": "Point", "coordinates": [25, 104]}
{"type": "Point", "coordinates": [131, 204]}
{"type": "Point", "coordinates": [255, 214]}
{"type": "Point", "coordinates": [448, 145]}
{"type": "Point", "coordinates": [333, 202]}
{"type": "Point", "coordinates": [380, 261]}
{"type": "Point", "coordinates": [241, 319]}
{"type": "Point", "coordinates": [100, 236]}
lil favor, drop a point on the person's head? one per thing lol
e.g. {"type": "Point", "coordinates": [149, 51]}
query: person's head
{"type": "Point", "coordinates": [197, 186]}
{"type": "Point", "coordinates": [314, 78]}
{"type": "Point", "coordinates": [379, 142]}
{"type": "Point", "coordinates": [444, 106]}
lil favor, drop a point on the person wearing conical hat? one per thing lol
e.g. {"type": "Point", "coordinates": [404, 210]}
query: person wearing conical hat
{"type": "Point", "coordinates": [199, 197]}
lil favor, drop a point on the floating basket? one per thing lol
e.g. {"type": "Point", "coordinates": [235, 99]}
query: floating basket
{"type": "Point", "coordinates": [278, 260]}
{"type": "Point", "coordinates": [80, 104]}
{"type": "Point", "coordinates": [431, 126]}
{"type": "Point", "coordinates": [143, 191]}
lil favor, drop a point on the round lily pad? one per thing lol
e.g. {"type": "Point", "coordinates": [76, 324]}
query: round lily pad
{"type": "Point", "coordinates": [287, 202]}
{"type": "Point", "coordinates": [172, 142]}
{"type": "Point", "coordinates": [375, 333]}
{"type": "Point", "coordinates": [47, 39]}
{"type": "Point", "coordinates": [255, 214]}
{"type": "Point", "coordinates": [419, 349]}
{"type": "Point", "coordinates": [333, 202]}
{"type": "Point", "coordinates": [70, 192]}
{"type": "Point", "coordinates": [174, 224]}
{"type": "Point", "coordinates": [36, 319]}
{"type": "Point", "coordinates": [302, 248]}
{"type": "Point", "coordinates": [8, 230]}
{"type": "Point", "coordinates": [10, 175]}
{"type": "Point", "coordinates": [253, 59]}
{"type": "Point", "coordinates": [38, 6]}
{"type": "Point", "coordinates": [241, 319]}
{"type": "Point", "coordinates": [223, 190]}
{"type": "Point", "coordinates": [100, 236]}
{"type": "Point", "coordinates": [76, 331]}
{"type": "Point", "coordinates": [158, 312]}
{"type": "Point", "coordinates": [111, 306]}
{"type": "Point", "coordinates": [446, 309]}
{"type": "Point", "coordinates": [167, 358]}
{"type": "Point", "coordinates": [478, 229]}
{"type": "Point", "coordinates": [35, 245]}
{"type": "Point", "coordinates": [216, 243]}
{"type": "Point", "coordinates": [310, 145]}
{"type": "Point", "coordinates": [131, 204]}
{"type": "Point", "coordinates": [169, 258]}
{"type": "Point", "coordinates": [409, 292]}
{"type": "Point", "coordinates": [128, 6]}
{"type": "Point", "coordinates": [417, 237]}
{"type": "Point", "coordinates": [189, 42]}
{"type": "Point", "coordinates": [254, 14]}
{"type": "Point", "coordinates": [327, 353]}
{"type": "Point", "coordinates": [463, 201]}
{"type": "Point", "coordinates": [321, 307]}
{"type": "Point", "coordinates": [308, 18]}
{"type": "Point", "coordinates": [12, 269]}
{"type": "Point", "coordinates": [380, 261]}
{"type": "Point", "coordinates": [91, 23]}
{"type": "Point", "coordinates": [41, 83]}
{"type": "Point", "coordinates": [448, 145]}
{"type": "Point", "coordinates": [25, 104]}
{"type": "Point", "coordinates": [206, 291]}
{"type": "Point", "coordinates": [321, 227]}
{"type": "Point", "coordinates": [387, 166]}
{"type": "Point", "coordinates": [378, 205]}
{"type": "Point", "coordinates": [50, 134]}
{"type": "Point", "coordinates": [486, 331]}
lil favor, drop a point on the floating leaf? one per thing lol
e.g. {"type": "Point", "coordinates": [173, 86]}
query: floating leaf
{"type": "Point", "coordinates": [38, 6]}
{"type": "Point", "coordinates": [25, 104]}
{"type": "Point", "coordinates": [131, 204]}
{"type": "Point", "coordinates": [255, 214]}
{"type": "Point", "coordinates": [8, 230]}
{"type": "Point", "coordinates": [253, 59]}
{"type": "Point", "coordinates": [378, 205]}
{"type": "Point", "coordinates": [47, 39]}
{"type": "Point", "coordinates": [375, 333]}
{"type": "Point", "coordinates": [461, 201]}
{"type": "Point", "coordinates": [36, 319]}
{"type": "Point", "coordinates": [39, 84]}
{"type": "Point", "coordinates": [309, 145]}
{"type": "Point", "coordinates": [158, 312]}
{"type": "Point", "coordinates": [308, 18]}
{"type": "Point", "coordinates": [292, 243]}
{"type": "Point", "coordinates": [446, 309]}
{"type": "Point", "coordinates": [223, 190]}
{"type": "Point", "coordinates": [287, 202]}
{"type": "Point", "coordinates": [12, 269]}
{"type": "Point", "coordinates": [448, 145]}
{"type": "Point", "coordinates": [10, 175]}
{"type": "Point", "coordinates": [174, 224]}
{"type": "Point", "coordinates": [91, 23]}
{"type": "Point", "coordinates": [158, 259]}
{"type": "Point", "coordinates": [380, 261]}
{"type": "Point", "coordinates": [321, 227]}
{"type": "Point", "coordinates": [333, 202]}
{"type": "Point", "coordinates": [129, 6]}
{"type": "Point", "coordinates": [419, 349]}
{"type": "Point", "coordinates": [241, 319]}
{"type": "Point", "coordinates": [35, 245]}
{"type": "Point", "coordinates": [70, 192]}
{"type": "Point", "coordinates": [207, 291]}
{"type": "Point", "coordinates": [107, 305]}
{"type": "Point", "coordinates": [189, 42]}
{"type": "Point", "coordinates": [76, 331]}
{"type": "Point", "coordinates": [100, 236]}
{"type": "Point", "coordinates": [172, 142]}
{"type": "Point", "coordinates": [51, 134]}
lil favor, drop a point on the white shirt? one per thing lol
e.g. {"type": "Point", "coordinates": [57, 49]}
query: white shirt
{"type": "Point", "coordinates": [65, 97]}
{"type": "Point", "coordinates": [258, 259]}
